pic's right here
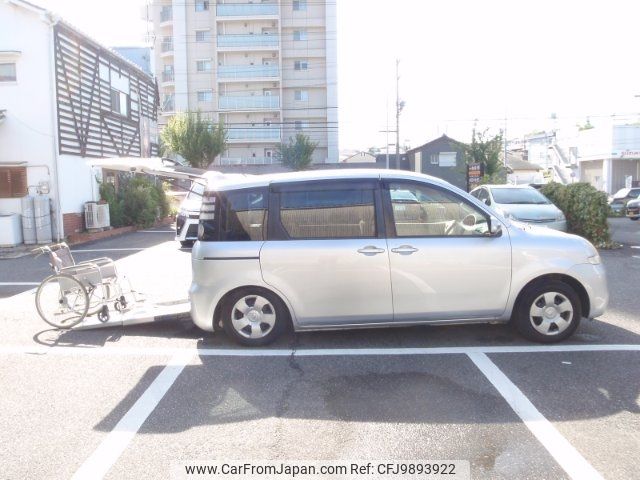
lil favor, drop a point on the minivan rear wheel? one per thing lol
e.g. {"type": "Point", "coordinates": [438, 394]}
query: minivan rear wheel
{"type": "Point", "coordinates": [254, 317]}
{"type": "Point", "coordinates": [548, 312]}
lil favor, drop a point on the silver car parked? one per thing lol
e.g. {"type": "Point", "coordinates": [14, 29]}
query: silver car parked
{"type": "Point", "coordinates": [345, 249]}
{"type": "Point", "coordinates": [522, 203]}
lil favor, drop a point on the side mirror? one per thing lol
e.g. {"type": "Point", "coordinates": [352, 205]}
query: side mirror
{"type": "Point", "coordinates": [495, 228]}
{"type": "Point", "coordinates": [487, 201]}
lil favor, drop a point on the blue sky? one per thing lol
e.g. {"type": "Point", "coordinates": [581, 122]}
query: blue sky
{"type": "Point", "coordinates": [460, 60]}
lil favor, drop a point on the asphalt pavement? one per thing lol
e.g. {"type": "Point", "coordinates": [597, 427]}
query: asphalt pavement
{"type": "Point", "coordinates": [131, 402]}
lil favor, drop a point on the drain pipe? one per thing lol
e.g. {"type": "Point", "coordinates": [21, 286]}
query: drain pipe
{"type": "Point", "coordinates": [52, 21]}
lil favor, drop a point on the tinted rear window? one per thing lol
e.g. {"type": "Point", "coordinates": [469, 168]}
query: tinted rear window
{"type": "Point", "coordinates": [328, 214]}
{"type": "Point", "coordinates": [240, 215]}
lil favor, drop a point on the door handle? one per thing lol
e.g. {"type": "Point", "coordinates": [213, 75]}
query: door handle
{"type": "Point", "coordinates": [371, 250]}
{"type": "Point", "coordinates": [404, 249]}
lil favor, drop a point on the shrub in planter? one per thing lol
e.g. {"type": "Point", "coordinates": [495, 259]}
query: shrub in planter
{"type": "Point", "coordinates": [116, 211]}
{"type": "Point", "coordinates": [138, 202]}
{"type": "Point", "coordinates": [586, 210]}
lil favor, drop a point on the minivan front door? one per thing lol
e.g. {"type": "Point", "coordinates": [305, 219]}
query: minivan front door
{"type": "Point", "coordinates": [444, 264]}
{"type": "Point", "coordinates": [329, 257]}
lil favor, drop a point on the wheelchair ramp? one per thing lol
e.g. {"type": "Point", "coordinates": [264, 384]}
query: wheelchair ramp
{"type": "Point", "coordinates": [141, 313]}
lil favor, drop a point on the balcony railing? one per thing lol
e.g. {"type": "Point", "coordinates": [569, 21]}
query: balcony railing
{"type": "Point", "coordinates": [256, 133]}
{"type": "Point", "coordinates": [167, 76]}
{"type": "Point", "coordinates": [168, 104]}
{"type": "Point", "coordinates": [166, 46]}
{"type": "Point", "coordinates": [245, 9]}
{"type": "Point", "coordinates": [256, 40]}
{"type": "Point", "coordinates": [257, 102]}
{"type": "Point", "coordinates": [250, 161]}
{"type": "Point", "coordinates": [248, 71]}
{"type": "Point", "coordinates": [166, 14]}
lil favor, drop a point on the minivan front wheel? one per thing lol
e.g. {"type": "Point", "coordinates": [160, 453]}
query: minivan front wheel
{"type": "Point", "coordinates": [254, 317]}
{"type": "Point", "coordinates": [548, 312]}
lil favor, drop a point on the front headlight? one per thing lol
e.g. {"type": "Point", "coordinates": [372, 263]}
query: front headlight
{"type": "Point", "coordinates": [510, 216]}
{"type": "Point", "coordinates": [594, 259]}
{"type": "Point", "coordinates": [560, 217]}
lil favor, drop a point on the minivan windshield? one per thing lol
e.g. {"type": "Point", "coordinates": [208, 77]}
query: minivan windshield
{"type": "Point", "coordinates": [519, 196]}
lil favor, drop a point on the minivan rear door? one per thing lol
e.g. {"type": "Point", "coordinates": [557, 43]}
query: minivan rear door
{"type": "Point", "coordinates": [444, 264]}
{"type": "Point", "coordinates": [326, 252]}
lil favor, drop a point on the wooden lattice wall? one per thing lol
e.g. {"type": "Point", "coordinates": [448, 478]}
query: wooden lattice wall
{"type": "Point", "coordinates": [87, 124]}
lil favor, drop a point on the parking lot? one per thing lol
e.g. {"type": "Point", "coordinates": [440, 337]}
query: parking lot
{"type": "Point", "coordinates": [134, 401]}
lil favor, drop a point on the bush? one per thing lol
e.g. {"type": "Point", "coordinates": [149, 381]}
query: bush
{"type": "Point", "coordinates": [116, 211]}
{"type": "Point", "coordinates": [586, 209]}
{"type": "Point", "coordinates": [138, 202]}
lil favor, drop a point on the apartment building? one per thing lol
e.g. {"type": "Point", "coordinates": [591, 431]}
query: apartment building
{"type": "Point", "coordinates": [267, 69]}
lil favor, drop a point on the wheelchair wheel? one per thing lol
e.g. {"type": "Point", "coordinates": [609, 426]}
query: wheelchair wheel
{"type": "Point", "coordinates": [97, 298]}
{"type": "Point", "coordinates": [62, 301]}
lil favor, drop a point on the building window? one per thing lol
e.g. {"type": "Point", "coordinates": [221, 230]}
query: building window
{"type": "Point", "coordinates": [447, 159]}
{"type": "Point", "coordinates": [302, 95]}
{"type": "Point", "coordinates": [299, 35]}
{"type": "Point", "coordinates": [301, 65]}
{"type": "Point", "coordinates": [119, 102]}
{"type": "Point", "coordinates": [203, 65]}
{"type": "Point", "coordinates": [166, 13]}
{"type": "Point", "coordinates": [202, 5]}
{"type": "Point", "coordinates": [434, 159]}
{"type": "Point", "coordinates": [299, 5]}
{"type": "Point", "coordinates": [8, 72]}
{"type": "Point", "coordinates": [205, 95]}
{"type": "Point", "coordinates": [203, 36]}
{"type": "Point", "coordinates": [301, 125]}
{"type": "Point", "coordinates": [13, 182]}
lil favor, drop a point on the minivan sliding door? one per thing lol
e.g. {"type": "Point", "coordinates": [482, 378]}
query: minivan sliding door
{"type": "Point", "coordinates": [326, 252]}
{"type": "Point", "coordinates": [444, 264]}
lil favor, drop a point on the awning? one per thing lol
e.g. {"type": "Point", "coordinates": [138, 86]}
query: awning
{"type": "Point", "coordinates": [150, 166]}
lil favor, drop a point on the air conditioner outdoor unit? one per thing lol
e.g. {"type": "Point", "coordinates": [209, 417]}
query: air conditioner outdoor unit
{"type": "Point", "coordinates": [96, 215]}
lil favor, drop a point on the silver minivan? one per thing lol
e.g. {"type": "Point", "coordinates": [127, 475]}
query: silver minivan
{"type": "Point", "coordinates": [344, 249]}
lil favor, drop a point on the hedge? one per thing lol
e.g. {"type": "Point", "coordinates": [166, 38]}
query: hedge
{"type": "Point", "coordinates": [139, 201]}
{"type": "Point", "coordinates": [586, 209]}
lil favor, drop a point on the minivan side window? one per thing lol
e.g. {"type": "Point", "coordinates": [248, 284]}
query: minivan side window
{"type": "Point", "coordinates": [239, 215]}
{"type": "Point", "coordinates": [318, 214]}
{"type": "Point", "coordinates": [424, 211]}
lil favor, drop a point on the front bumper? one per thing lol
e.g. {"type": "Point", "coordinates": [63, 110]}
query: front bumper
{"type": "Point", "coordinates": [633, 212]}
{"type": "Point", "coordinates": [187, 227]}
{"type": "Point", "coordinates": [593, 278]}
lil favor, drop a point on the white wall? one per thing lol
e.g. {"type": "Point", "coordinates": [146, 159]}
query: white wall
{"type": "Point", "coordinates": [27, 134]}
{"type": "Point", "coordinates": [79, 183]}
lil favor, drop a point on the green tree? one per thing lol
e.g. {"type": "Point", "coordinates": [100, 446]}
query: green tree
{"type": "Point", "coordinates": [297, 154]}
{"type": "Point", "coordinates": [487, 151]}
{"type": "Point", "coordinates": [196, 139]}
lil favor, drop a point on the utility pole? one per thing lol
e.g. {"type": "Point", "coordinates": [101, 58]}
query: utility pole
{"type": "Point", "coordinates": [505, 141]}
{"type": "Point", "coordinates": [398, 109]}
{"type": "Point", "coordinates": [387, 166]}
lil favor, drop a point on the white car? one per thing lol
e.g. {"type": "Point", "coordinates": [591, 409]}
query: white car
{"type": "Point", "coordinates": [522, 203]}
{"type": "Point", "coordinates": [189, 215]}
{"type": "Point", "coordinates": [342, 249]}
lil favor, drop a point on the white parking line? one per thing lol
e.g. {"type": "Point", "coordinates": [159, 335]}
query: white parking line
{"type": "Point", "coordinates": [309, 352]}
{"type": "Point", "coordinates": [559, 447]}
{"type": "Point", "coordinates": [18, 284]}
{"type": "Point", "coordinates": [109, 250]}
{"type": "Point", "coordinates": [116, 441]}
{"type": "Point", "coordinates": [156, 231]}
